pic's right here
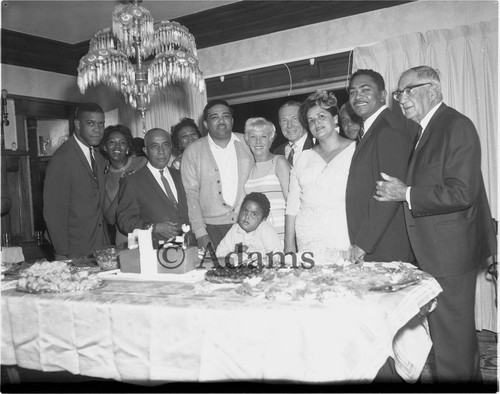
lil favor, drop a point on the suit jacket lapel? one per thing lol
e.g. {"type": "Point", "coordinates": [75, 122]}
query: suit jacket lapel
{"type": "Point", "coordinates": [151, 181]}
{"type": "Point", "coordinates": [431, 126]}
{"type": "Point", "coordinates": [369, 133]}
{"type": "Point", "coordinates": [81, 156]}
{"type": "Point", "coordinates": [308, 144]}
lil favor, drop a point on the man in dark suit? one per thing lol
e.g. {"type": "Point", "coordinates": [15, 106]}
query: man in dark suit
{"type": "Point", "coordinates": [293, 131]}
{"type": "Point", "coordinates": [376, 230]}
{"type": "Point", "coordinates": [153, 196]}
{"type": "Point", "coordinates": [447, 217]}
{"type": "Point", "coordinates": [74, 190]}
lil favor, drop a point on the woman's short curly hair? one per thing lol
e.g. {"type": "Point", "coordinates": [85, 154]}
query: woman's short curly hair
{"type": "Point", "coordinates": [261, 200]}
{"type": "Point", "coordinates": [123, 130]}
{"type": "Point", "coordinates": [321, 99]}
{"type": "Point", "coordinates": [175, 129]}
{"type": "Point", "coordinates": [259, 124]}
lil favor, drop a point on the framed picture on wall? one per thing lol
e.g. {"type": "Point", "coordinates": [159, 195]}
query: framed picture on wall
{"type": "Point", "coordinates": [52, 133]}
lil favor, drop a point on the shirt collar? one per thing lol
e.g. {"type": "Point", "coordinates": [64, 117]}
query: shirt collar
{"type": "Point", "coordinates": [299, 144]}
{"type": "Point", "coordinates": [232, 140]}
{"type": "Point", "coordinates": [84, 147]}
{"type": "Point", "coordinates": [427, 118]}
{"type": "Point", "coordinates": [368, 122]}
{"type": "Point", "coordinates": [156, 170]}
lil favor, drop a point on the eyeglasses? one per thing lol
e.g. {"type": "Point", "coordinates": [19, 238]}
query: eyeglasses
{"type": "Point", "coordinates": [408, 91]}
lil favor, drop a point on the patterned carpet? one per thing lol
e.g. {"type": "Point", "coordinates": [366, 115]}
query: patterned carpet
{"type": "Point", "coordinates": [488, 352]}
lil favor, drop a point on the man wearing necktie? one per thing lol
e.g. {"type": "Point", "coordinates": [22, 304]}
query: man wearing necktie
{"type": "Point", "coordinates": [74, 190]}
{"type": "Point", "coordinates": [448, 218]}
{"type": "Point", "coordinates": [376, 229]}
{"type": "Point", "coordinates": [294, 132]}
{"type": "Point", "coordinates": [153, 196]}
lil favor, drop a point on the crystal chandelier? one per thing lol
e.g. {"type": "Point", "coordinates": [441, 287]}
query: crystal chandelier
{"type": "Point", "coordinates": [138, 58]}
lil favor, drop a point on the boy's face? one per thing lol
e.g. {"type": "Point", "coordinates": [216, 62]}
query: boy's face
{"type": "Point", "coordinates": [251, 215]}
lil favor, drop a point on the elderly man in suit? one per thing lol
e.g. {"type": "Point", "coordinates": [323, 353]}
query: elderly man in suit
{"type": "Point", "coordinates": [376, 230]}
{"type": "Point", "coordinates": [214, 171]}
{"type": "Point", "coordinates": [447, 216]}
{"type": "Point", "coordinates": [153, 196]}
{"type": "Point", "coordinates": [74, 189]}
{"type": "Point", "coordinates": [294, 132]}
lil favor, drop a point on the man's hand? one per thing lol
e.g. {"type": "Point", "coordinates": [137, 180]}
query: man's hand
{"type": "Point", "coordinates": [167, 230]}
{"type": "Point", "coordinates": [203, 241]}
{"type": "Point", "coordinates": [390, 189]}
{"type": "Point", "coordinates": [356, 254]}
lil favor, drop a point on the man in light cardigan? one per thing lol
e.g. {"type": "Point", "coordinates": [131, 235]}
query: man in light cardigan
{"type": "Point", "coordinates": [214, 171]}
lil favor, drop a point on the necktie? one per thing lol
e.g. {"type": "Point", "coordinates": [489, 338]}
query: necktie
{"type": "Point", "coordinates": [360, 133]}
{"type": "Point", "coordinates": [92, 162]}
{"type": "Point", "coordinates": [170, 194]}
{"type": "Point", "coordinates": [415, 141]}
{"type": "Point", "coordinates": [290, 155]}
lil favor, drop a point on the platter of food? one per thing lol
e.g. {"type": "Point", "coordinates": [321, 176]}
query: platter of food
{"type": "Point", "coordinates": [238, 274]}
{"type": "Point", "coordinates": [322, 282]}
{"type": "Point", "coordinates": [56, 277]}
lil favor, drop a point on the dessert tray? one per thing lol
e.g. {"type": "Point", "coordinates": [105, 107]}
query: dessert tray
{"type": "Point", "coordinates": [56, 277]}
{"type": "Point", "coordinates": [321, 282]}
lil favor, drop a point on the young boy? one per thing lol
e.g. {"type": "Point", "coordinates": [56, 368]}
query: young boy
{"type": "Point", "coordinates": [252, 229]}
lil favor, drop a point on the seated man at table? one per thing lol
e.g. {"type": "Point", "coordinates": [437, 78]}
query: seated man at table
{"type": "Point", "coordinates": [252, 231]}
{"type": "Point", "coordinates": [153, 197]}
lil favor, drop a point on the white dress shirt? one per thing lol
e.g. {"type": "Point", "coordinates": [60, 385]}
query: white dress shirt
{"type": "Point", "coordinates": [423, 123]}
{"type": "Point", "coordinates": [369, 121]}
{"type": "Point", "coordinates": [85, 150]}
{"type": "Point", "coordinates": [299, 147]}
{"type": "Point", "coordinates": [227, 164]}
{"type": "Point", "coordinates": [168, 177]}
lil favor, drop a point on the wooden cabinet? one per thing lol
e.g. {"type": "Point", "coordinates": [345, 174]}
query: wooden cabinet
{"type": "Point", "coordinates": [25, 167]}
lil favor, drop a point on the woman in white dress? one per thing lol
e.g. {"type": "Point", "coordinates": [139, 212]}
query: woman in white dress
{"type": "Point", "coordinates": [315, 217]}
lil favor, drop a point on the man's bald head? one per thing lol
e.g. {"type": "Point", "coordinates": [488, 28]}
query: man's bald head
{"type": "Point", "coordinates": [158, 147]}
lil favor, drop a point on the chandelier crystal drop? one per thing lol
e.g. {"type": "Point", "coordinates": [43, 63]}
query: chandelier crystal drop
{"type": "Point", "coordinates": [138, 57]}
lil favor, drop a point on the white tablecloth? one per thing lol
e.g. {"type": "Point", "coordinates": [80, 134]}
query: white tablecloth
{"type": "Point", "coordinates": [153, 332]}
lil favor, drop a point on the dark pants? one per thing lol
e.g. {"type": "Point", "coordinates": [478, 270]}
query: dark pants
{"type": "Point", "coordinates": [453, 331]}
{"type": "Point", "coordinates": [216, 232]}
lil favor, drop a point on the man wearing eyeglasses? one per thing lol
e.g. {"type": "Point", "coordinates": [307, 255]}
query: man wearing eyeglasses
{"type": "Point", "coordinates": [74, 190]}
{"type": "Point", "coordinates": [448, 219]}
{"type": "Point", "coordinates": [376, 230]}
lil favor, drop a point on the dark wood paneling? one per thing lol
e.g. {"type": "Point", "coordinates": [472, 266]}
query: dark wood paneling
{"type": "Point", "coordinates": [245, 19]}
{"type": "Point", "coordinates": [25, 50]}
{"type": "Point", "coordinates": [43, 108]}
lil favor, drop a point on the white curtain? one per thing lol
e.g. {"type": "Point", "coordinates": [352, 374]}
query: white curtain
{"type": "Point", "coordinates": [467, 59]}
{"type": "Point", "coordinates": [168, 106]}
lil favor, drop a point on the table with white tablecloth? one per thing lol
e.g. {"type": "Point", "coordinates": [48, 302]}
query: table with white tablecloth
{"type": "Point", "coordinates": [154, 332]}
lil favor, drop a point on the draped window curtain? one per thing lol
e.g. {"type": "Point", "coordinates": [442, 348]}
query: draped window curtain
{"type": "Point", "coordinates": [467, 60]}
{"type": "Point", "coordinates": [168, 107]}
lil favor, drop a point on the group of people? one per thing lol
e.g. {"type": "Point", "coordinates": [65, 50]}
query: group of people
{"type": "Point", "coordinates": [357, 183]}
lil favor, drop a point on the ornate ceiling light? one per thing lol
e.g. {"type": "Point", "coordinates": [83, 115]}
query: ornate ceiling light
{"type": "Point", "coordinates": [138, 58]}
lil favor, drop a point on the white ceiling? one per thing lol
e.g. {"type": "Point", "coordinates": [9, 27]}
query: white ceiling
{"type": "Point", "coordinates": [74, 21]}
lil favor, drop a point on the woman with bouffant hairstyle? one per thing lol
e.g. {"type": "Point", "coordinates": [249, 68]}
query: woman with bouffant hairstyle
{"type": "Point", "coordinates": [315, 219]}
